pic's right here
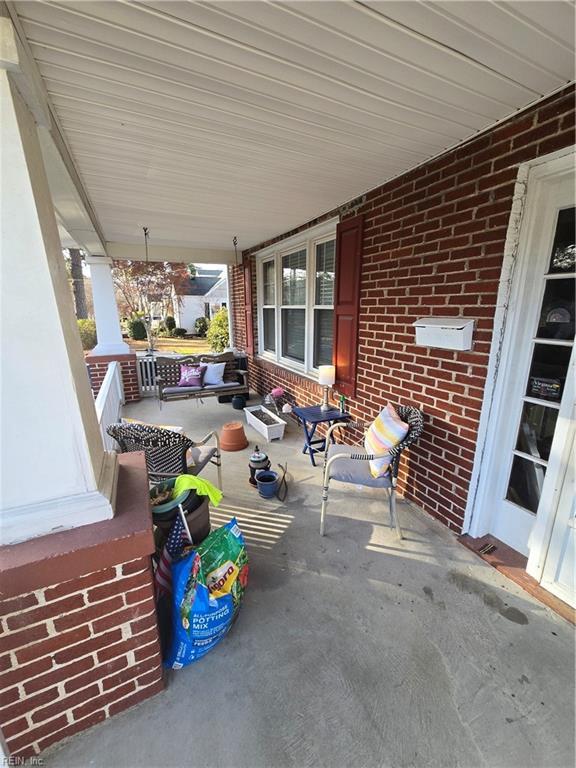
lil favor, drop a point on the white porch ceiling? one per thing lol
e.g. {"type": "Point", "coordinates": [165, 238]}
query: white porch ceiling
{"type": "Point", "coordinates": [204, 120]}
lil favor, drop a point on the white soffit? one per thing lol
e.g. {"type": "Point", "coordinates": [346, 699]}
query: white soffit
{"type": "Point", "coordinates": [204, 120]}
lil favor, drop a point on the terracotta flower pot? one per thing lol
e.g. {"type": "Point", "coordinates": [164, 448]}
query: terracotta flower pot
{"type": "Point", "coordinates": [233, 437]}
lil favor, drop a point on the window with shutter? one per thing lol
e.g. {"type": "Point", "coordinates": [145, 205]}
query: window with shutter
{"type": "Point", "coordinates": [296, 299]}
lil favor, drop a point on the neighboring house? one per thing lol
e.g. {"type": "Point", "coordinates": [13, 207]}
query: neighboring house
{"type": "Point", "coordinates": [199, 296]}
{"type": "Point", "coordinates": [484, 232]}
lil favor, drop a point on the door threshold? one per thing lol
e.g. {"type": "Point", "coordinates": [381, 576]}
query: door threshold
{"type": "Point", "coordinates": [513, 565]}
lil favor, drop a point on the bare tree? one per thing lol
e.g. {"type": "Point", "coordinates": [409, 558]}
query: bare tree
{"type": "Point", "coordinates": [144, 286]}
{"type": "Point", "coordinates": [77, 277]}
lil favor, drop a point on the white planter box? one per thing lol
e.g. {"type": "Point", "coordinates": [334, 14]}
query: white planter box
{"type": "Point", "coordinates": [270, 432]}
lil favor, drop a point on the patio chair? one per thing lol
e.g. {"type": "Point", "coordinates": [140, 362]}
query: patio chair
{"type": "Point", "coordinates": [168, 453]}
{"type": "Point", "coordinates": [349, 463]}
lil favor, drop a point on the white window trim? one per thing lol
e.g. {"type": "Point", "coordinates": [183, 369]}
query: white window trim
{"type": "Point", "coordinates": [312, 297]}
{"type": "Point", "coordinates": [262, 306]}
{"type": "Point", "coordinates": [306, 240]}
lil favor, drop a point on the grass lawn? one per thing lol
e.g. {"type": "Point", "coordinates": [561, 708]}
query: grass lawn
{"type": "Point", "coordinates": [180, 346]}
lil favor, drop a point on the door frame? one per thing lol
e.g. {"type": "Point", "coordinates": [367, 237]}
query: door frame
{"type": "Point", "coordinates": [478, 520]}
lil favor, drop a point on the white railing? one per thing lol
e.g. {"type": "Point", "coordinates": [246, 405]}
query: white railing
{"type": "Point", "coordinates": [147, 376]}
{"type": "Point", "coordinates": [109, 402]}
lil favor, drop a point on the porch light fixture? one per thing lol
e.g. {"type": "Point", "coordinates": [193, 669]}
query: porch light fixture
{"type": "Point", "coordinates": [326, 378]}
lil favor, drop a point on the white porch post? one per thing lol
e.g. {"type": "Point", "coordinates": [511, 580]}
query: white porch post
{"type": "Point", "coordinates": [105, 309]}
{"type": "Point", "coordinates": [55, 472]}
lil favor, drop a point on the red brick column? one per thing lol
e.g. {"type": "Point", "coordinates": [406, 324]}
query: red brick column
{"type": "Point", "coordinates": [79, 636]}
{"type": "Point", "coordinates": [129, 366]}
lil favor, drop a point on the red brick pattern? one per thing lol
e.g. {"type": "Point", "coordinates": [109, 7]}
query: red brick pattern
{"type": "Point", "coordinates": [433, 245]}
{"type": "Point", "coordinates": [74, 653]}
{"type": "Point", "coordinates": [129, 366]}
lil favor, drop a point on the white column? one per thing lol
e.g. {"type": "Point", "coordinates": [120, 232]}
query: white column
{"type": "Point", "coordinates": [105, 309]}
{"type": "Point", "coordinates": [55, 472]}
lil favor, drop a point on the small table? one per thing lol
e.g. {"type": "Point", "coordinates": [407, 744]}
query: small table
{"type": "Point", "coordinates": [310, 418]}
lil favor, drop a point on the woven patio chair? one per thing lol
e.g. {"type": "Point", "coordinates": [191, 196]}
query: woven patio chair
{"type": "Point", "coordinates": [349, 463]}
{"type": "Point", "coordinates": [168, 453]}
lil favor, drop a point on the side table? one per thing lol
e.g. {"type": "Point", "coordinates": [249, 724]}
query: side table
{"type": "Point", "coordinates": [310, 417]}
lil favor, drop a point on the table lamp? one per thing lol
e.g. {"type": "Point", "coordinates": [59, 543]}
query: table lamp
{"type": "Point", "coordinates": [326, 378]}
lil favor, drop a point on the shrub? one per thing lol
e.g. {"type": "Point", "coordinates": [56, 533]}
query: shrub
{"type": "Point", "coordinates": [88, 337]}
{"type": "Point", "coordinates": [201, 326]}
{"type": "Point", "coordinates": [218, 334]}
{"type": "Point", "coordinates": [137, 329]}
{"type": "Point", "coordinates": [170, 323]}
{"type": "Point", "coordinates": [180, 333]}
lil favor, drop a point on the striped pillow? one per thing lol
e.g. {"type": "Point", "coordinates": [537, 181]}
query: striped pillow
{"type": "Point", "coordinates": [385, 432]}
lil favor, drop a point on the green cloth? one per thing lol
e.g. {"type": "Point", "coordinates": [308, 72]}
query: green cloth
{"type": "Point", "coordinates": [202, 488]}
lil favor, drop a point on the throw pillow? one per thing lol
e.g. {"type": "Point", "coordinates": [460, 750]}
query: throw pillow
{"type": "Point", "coordinates": [385, 432]}
{"type": "Point", "coordinates": [214, 373]}
{"type": "Point", "coordinates": [191, 375]}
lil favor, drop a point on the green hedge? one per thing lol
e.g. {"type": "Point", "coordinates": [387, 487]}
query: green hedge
{"type": "Point", "coordinates": [137, 329]}
{"type": "Point", "coordinates": [218, 334]}
{"type": "Point", "coordinates": [201, 326]}
{"type": "Point", "coordinates": [88, 336]}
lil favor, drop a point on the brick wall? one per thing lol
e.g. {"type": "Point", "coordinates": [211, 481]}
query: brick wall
{"type": "Point", "coordinates": [128, 363]}
{"type": "Point", "coordinates": [76, 652]}
{"type": "Point", "coordinates": [433, 245]}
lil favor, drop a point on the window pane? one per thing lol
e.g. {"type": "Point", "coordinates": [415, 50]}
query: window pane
{"type": "Point", "coordinates": [564, 249]}
{"type": "Point", "coordinates": [548, 372]}
{"type": "Point", "coordinates": [536, 430]}
{"type": "Point", "coordinates": [294, 278]}
{"type": "Point", "coordinates": [269, 317]}
{"type": "Point", "coordinates": [293, 333]}
{"type": "Point", "coordinates": [325, 273]}
{"type": "Point", "coordinates": [323, 336]}
{"type": "Point", "coordinates": [526, 481]}
{"type": "Point", "coordinates": [268, 273]}
{"type": "Point", "coordinates": [557, 314]}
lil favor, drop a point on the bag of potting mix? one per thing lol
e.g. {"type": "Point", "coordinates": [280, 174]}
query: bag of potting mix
{"type": "Point", "coordinates": [208, 583]}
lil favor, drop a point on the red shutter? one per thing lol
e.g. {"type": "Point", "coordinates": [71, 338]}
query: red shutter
{"type": "Point", "coordinates": [247, 266]}
{"type": "Point", "coordinates": [347, 303]}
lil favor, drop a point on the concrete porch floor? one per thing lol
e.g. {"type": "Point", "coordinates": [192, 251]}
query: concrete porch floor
{"type": "Point", "coordinates": [354, 649]}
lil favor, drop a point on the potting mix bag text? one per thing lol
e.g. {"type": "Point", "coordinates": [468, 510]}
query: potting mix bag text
{"type": "Point", "coordinates": [208, 583]}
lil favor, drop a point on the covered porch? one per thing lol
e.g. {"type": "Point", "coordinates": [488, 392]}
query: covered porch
{"type": "Point", "coordinates": [357, 166]}
{"type": "Point", "coordinates": [352, 649]}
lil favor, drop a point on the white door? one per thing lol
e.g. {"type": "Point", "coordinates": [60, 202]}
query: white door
{"type": "Point", "coordinates": [558, 575]}
{"type": "Point", "coordinates": [528, 433]}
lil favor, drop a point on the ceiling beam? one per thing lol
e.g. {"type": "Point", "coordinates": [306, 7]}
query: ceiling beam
{"type": "Point", "coordinates": [70, 199]}
{"type": "Point", "coordinates": [171, 253]}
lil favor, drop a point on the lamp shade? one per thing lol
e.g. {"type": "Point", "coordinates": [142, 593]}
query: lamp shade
{"type": "Point", "coordinates": [326, 375]}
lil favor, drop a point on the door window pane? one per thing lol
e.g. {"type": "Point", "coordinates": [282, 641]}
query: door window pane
{"type": "Point", "coordinates": [548, 372]}
{"type": "Point", "coordinates": [269, 317]}
{"type": "Point", "coordinates": [293, 334]}
{"type": "Point", "coordinates": [557, 315]}
{"type": "Point", "coordinates": [536, 430]}
{"type": "Point", "coordinates": [564, 249]}
{"type": "Point", "coordinates": [294, 278]}
{"type": "Point", "coordinates": [525, 485]}
{"type": "Point", "coordinates": [268, 280]}
{"type": "Point", "coordinates": [323, 336]}
{"type": "Point", "coordinates": [325, 273]}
